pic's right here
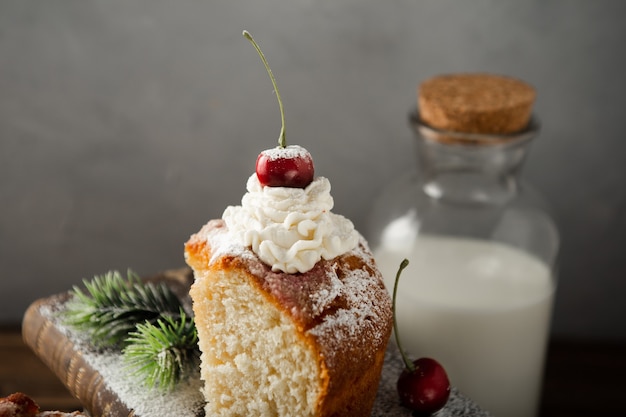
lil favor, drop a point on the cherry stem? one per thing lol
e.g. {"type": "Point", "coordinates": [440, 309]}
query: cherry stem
{"type": "Point", "coordinates": [409, 365]}
{"type": "Point", "coordinates": [282, 141]}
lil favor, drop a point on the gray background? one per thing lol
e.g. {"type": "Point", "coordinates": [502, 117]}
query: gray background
{"type": "Point", "coordinates": [126, 124]}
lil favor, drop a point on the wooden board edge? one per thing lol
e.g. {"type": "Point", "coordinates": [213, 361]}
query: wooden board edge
{"type": "Point", "coordinates": [66, 361]}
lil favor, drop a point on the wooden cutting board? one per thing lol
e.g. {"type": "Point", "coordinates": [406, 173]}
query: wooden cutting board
{"type": "Point", "coordinates": [105, 391]}
{"type": "Point", "coordinates": [73, 363]}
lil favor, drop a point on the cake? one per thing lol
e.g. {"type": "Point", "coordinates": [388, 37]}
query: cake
{"type": "Point", "coordinates": [111, 393]}
{"type": "Point", "coordinates": [292, 315]}
{"type": "Point", "coordinates": [275, 343]}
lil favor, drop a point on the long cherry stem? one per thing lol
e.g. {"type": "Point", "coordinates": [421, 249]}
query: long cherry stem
{"type": "Point", "coordinates": [409, 365]}
{"type": "Point", "coordinates": [282, 141]}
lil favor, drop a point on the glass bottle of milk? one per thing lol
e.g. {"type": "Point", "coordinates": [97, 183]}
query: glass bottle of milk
{"type": "Point", "coordinates": [478, 291]}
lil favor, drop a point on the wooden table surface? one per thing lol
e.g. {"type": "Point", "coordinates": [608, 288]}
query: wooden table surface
{"type": "Point", "coordinates": [583, 379]}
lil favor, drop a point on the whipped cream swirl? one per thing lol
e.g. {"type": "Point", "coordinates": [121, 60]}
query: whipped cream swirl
{"type": "Point", "coordinates": [290, 229]}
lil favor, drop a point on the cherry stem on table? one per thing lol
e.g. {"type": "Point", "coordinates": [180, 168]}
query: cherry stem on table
{"type": "Point", "coordinates": [409, 365]}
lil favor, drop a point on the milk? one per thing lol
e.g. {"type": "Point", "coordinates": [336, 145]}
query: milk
{"type": "Point", "coordinates": [480, 308]}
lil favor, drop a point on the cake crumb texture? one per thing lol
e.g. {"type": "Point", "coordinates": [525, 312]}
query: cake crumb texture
{"type": "Point", "coordinates": [277, 344]}
{"type": "Point", "coordinates": [253, 363]}
{"type": "Point", "coordinates": [114, 386]}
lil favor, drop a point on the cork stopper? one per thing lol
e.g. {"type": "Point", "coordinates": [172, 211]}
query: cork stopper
{"type": "Point", "coordinates": [476, 103]}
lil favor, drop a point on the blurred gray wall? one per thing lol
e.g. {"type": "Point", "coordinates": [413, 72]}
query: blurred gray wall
{"type": "Point", "coordinates": [126, 124]}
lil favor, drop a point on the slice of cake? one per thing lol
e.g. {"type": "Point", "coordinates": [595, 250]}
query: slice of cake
{"type": "Point", "coordinates": [275, 343]}
{"type": "Point", "coordinates": [292, 315]}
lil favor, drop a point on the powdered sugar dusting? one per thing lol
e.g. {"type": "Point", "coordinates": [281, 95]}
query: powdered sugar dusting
{"type": "Point", "coordinates": [330, 285]}
{"type": "Point", "coordinates": [221, 243]}
{"type": "Point", "coordinates": [288, 152]}
{"type": "Point", "coordinates": [179, 402]}
{"type": "Point", "coordinates": [187, 401]}
{"type": "Point", "coordinates": [365, 313]}
{"type": "Point", "coordinates": [184, 400]}
{"type": "Point", "coordinates": [325, 296]}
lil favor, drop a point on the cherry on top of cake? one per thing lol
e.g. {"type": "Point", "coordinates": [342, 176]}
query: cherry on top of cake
{"type": "Point", "coordinates": [285, 217]}
{"type": "Point", "coordinates": [289, 166]}
{"type": "Point", "coordinates": [283, 166]}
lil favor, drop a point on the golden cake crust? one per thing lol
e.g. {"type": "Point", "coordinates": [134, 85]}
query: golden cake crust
{"type": "Point", "coordinates": [341, 309]}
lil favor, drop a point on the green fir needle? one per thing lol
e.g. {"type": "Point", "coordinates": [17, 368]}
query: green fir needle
{"type": "Point", "coordinates": [145, 320]}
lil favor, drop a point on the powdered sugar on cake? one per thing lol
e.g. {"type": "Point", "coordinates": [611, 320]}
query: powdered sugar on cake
{"type": "Point", "coordinates": [290, 229]}
{"type": "Point", "coordinates": [338, 300]}
{"type": "Point", "coordinates": [364, 305]}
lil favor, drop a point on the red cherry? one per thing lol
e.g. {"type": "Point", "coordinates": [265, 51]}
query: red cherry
{"type": "Point", "coordinates": [284, 166]}
{"type": "Point", "coordinates": [291, 166]}
{"type": "Point", "coordinates": [426, 389]}
{"type": "Point", "coordinates": [423, 385]}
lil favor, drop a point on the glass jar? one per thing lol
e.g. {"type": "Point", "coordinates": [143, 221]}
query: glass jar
{"type": "Point", "coordinates": [482, 248]}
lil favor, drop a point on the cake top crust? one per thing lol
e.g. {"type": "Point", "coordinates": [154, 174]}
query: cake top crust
{"type": "Point", "coordinates": [342, 300]}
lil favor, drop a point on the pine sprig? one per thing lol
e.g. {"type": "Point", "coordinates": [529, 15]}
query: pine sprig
{"type": "Point", "coordinates": [145, 320]}
{"type": "Point", "coordinates": [112, 306]}
{"type": "Point", "coordinates": [162, 354]}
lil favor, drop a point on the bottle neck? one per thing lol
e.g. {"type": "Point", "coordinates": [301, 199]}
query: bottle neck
{"type": "Point", "coordinates": [469, 168]}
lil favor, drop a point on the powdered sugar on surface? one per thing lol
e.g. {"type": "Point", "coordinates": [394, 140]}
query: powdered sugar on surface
{"type": "Point", "coordinates": [184, 400]}
{"type": "Point", "coordinates": [388, 405]}
{"type": "Point", "coordinates": [187, 401]}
